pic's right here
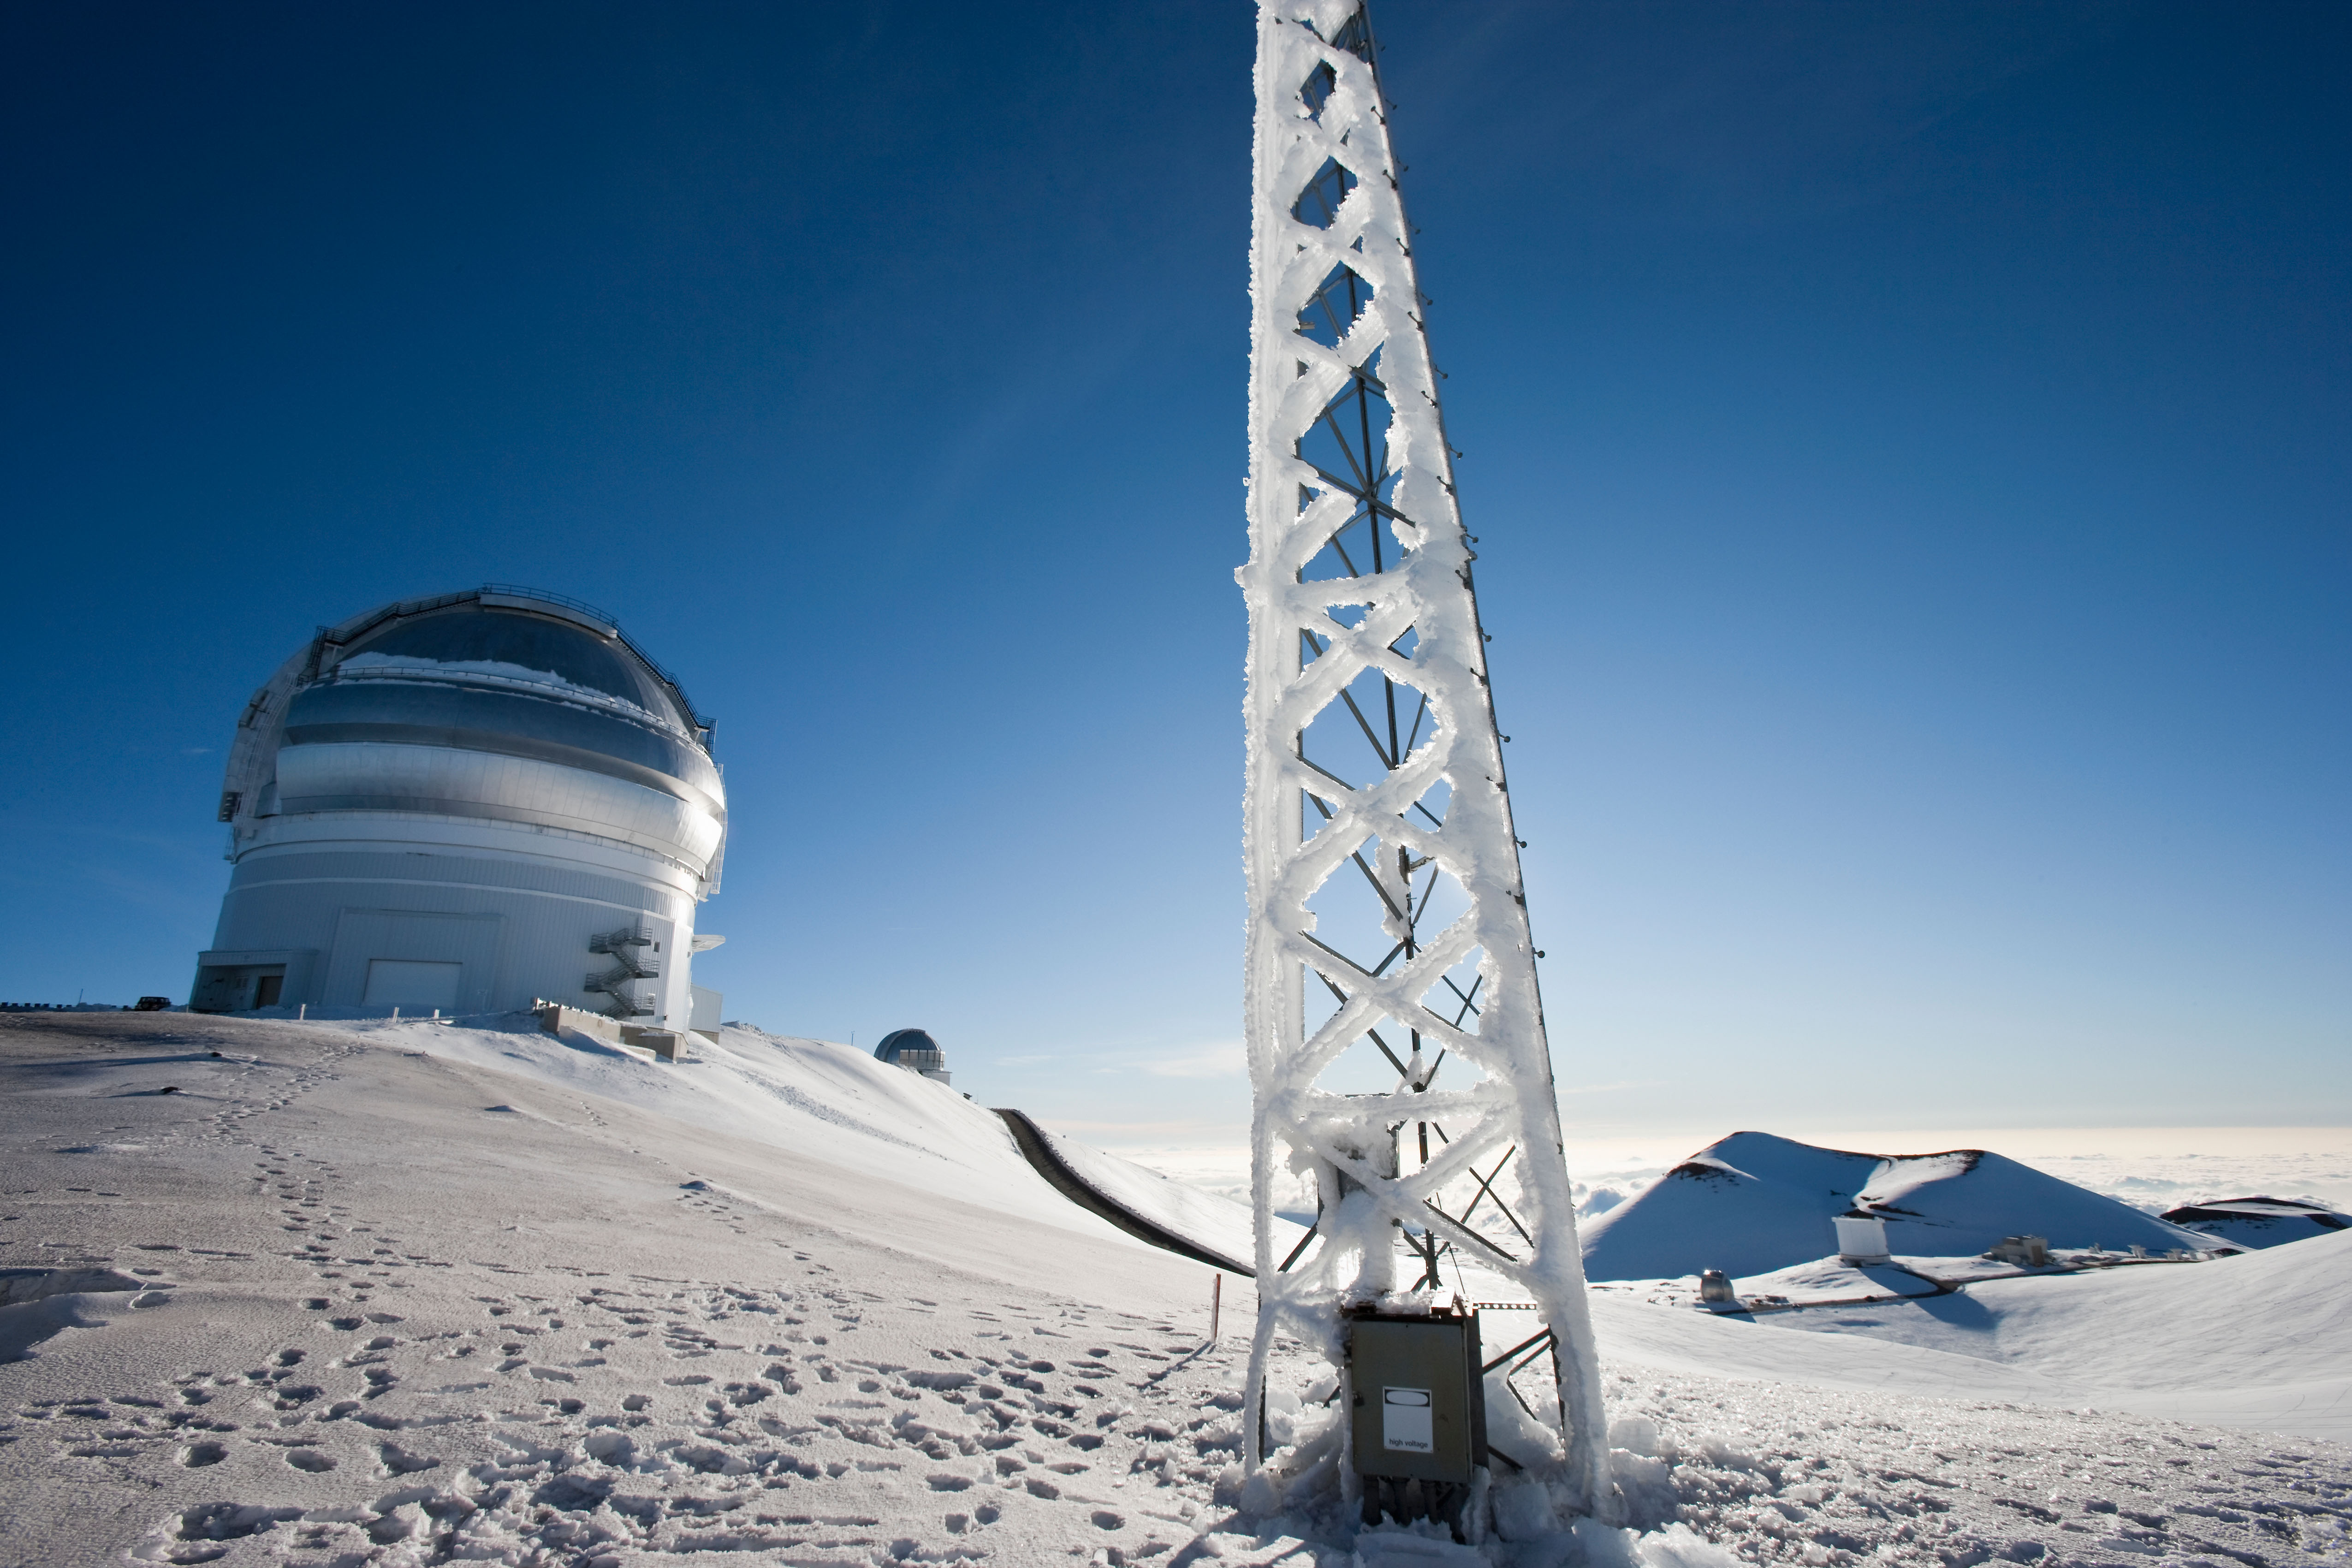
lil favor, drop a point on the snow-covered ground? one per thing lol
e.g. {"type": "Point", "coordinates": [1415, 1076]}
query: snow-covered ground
{"type": "Point", "coordinates": [833, 1103]}
{"type": "Point", "coordinates": [432, 1293]}
{"type": "Point", "coordinates": [2261, 1342]}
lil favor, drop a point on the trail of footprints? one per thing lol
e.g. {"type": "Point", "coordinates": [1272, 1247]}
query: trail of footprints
{"type": "Point", "coordinates": [230, 1121]}
{"type": "Point", "coordinates": [737, 1418]}
{"type": "Point", "coordinates": [513, 1438]}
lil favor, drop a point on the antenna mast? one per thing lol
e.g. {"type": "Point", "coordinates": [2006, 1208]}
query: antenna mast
{"type": "Point", "coordinates": [1391, 978]}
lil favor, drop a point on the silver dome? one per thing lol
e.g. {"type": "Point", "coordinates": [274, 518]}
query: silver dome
{"type": "Point", "coordinates": [479, 801]}
{"type": "Point", "coordinates": [504, 705]}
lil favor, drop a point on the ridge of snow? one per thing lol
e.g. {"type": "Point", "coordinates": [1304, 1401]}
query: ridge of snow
{"type": "Point", "coordinates": [841, 1105]}
{"type": "Point", "coordinates": [2149, 1339]}
{"type": "Point", "coordinates": [828, 1102]}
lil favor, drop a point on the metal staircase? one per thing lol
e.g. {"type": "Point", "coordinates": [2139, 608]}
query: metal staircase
{"type": "Point", "coordinates": [631, 963]}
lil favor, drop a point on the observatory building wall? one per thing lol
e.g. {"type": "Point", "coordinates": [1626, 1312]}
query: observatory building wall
{"type": "Point", "coordinates": [470, 803]}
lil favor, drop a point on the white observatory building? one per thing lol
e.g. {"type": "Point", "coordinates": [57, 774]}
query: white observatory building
{"type": "Point", "coordinates": [470, 802]}
{"type": "Point", "coordinates": [915, 1050]}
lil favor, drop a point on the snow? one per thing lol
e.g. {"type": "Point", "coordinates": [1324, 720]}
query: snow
{"type": "Point", "coordinates": [396, 1294]}
{"type": "Point", "coordinates": [2259, 1222]}
{"type": "Point", "coordinates": [831, 1103]}
{"type": "Point", "coordinates": [457, 1302]}
{"type": "Point", "coordinates": [844, 1107]}
{"type": "Point", "coordinates": [1752, 1202]}
{"type": "Point", "coordinates": [1824, 1478]}
{"type": "Point", "coordinates": [2153, 1169]}
{"type": "Point", "coordinates": [493, 672]}
{"type": "Point", "coordinates": [2259, 1340]}
{"type": "Point", "coordinates": [1217, 1226]}
{"type": "Point", "coordinates": [2263, 1341]}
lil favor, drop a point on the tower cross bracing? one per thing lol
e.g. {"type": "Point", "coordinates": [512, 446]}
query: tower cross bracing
{"type": "Point", "coordinates": [1395, 1028]}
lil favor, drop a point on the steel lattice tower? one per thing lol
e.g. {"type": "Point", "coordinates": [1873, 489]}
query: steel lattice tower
{"type": "Point", "coordinates": [1390, 984]}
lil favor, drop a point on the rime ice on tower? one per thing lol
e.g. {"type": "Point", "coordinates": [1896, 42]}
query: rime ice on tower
{"type": "Point", "coordinates": [1396, 1036]}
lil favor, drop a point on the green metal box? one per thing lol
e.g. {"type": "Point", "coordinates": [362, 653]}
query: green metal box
{"type": "Point", "coordinates": [1418, 1402]}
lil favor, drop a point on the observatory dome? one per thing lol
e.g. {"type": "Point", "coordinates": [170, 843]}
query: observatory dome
{"type": "Point", "coordinates": [916, 1051]}
{"type": "Point", "coordinates": [496, 788]}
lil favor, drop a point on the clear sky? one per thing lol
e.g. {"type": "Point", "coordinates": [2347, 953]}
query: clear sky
{"type": "Point", "coordinates": [1909, 446]}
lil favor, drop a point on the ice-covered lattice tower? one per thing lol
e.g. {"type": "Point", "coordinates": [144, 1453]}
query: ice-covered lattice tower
{"type": "Point", "coordinates": [1396, 1035]}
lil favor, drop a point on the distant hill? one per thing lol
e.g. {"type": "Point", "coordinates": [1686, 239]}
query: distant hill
{"type": "Point", "coordinates": [1754, 1202]}
{"type": "Point", "coordinates": [2260, 1222]}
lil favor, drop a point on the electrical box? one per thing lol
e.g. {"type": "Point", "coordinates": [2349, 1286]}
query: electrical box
{"type": "Point", "coordinates": [1420, 1405]}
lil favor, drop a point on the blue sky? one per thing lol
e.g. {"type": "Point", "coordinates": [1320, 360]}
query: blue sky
{"type": "Point", "coordinates": [1909, 445]}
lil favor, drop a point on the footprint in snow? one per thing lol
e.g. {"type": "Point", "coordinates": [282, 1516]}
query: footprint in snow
{"type": "Point", "coordinates": [397, 1461]}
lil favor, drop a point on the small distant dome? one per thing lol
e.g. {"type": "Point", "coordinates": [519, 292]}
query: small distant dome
{"type": "Point", "coordinates": [897, 1043]}
{"type": "Point", "coordinates": [916, 1051]}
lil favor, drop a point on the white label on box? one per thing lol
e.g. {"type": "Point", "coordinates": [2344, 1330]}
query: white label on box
{"type": "Point", "coordinates": [1404, 1420]}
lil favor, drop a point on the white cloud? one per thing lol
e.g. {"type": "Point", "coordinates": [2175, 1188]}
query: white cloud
{"type": "Point", "coordinates": [1223, 1060]}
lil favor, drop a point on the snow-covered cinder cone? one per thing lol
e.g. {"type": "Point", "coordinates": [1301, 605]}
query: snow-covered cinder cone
{"type": "Point", "coordinates": [1390, 974]}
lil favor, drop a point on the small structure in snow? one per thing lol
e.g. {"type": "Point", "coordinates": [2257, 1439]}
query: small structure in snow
{"type": "Point", "coordinates": [2025, 1251]}
{"type": "Point", "coordinates": [1715, 1284]}
{"type": "Point", "coordinates": [1420, 1413]}
{"type": "Point", "coordinates": [916, 1051]}
{"type": "Point", "coordinates": [1862, 1238]}
{"type": "Point", "coordinates": [663, 1042]}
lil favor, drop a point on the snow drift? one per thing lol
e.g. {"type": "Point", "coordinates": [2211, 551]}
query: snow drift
{"type": "Point", "coordinates": [2263, 1339]}
{"type": "Point", "coordinates": [835, 1104]}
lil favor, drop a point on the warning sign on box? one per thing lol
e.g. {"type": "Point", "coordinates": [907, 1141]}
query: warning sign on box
{"type": "Point", "coordinates": [1404, 1420]}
